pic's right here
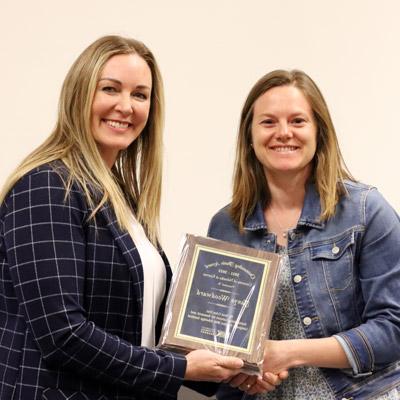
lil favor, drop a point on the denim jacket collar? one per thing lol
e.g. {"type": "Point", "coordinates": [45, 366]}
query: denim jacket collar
{"type": "Point", "coordinates": [256, 221]}
{"type": "Point", "coordinates": [310, 214]}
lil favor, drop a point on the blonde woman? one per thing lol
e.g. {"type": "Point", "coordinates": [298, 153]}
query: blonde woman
{"type": "Point", "coordinates": [336, 327]}
{"type": "Point", "coordinates": [83, 279]}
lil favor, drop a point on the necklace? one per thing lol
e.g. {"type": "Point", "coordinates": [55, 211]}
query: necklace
{"type": "Point", "coordinates": [284, 231]}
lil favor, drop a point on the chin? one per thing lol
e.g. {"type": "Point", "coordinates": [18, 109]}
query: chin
{"type": "Point", "coordinates": [121, 146]}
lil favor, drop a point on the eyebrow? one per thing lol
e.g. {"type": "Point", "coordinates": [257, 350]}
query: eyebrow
{"type": "Point", "coordinates": [291, 115]}
{"type": "Point", "coordinates": [120, 83]}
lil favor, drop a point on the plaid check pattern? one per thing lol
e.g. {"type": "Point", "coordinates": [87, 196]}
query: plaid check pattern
{"type": "Point", "coordinates": [71, 301]}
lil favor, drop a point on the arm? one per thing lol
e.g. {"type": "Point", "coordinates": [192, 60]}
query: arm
{"type": "Point", "coordinates": [46, 252]}
{"type": "Point", "coordinates": [285, 354]}
{"type": "Point", "coordinates": [282, 355]}
{"type": "Point", "coordinates": [375, 342]}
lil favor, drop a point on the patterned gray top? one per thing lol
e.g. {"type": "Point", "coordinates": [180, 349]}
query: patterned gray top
{"type": "Point", "coordinates": [306, 383]}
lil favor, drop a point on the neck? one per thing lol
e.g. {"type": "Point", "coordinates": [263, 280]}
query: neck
{"type": "Point", "coordinates": [286, 191]}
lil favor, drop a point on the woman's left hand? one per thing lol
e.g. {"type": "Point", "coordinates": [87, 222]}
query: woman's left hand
{"type": "Point", "coordinates": [254, 385]}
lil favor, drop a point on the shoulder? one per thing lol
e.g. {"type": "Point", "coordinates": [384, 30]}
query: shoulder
{"type": "Point", "coordinates": [45, 184]}
{"type": "Point", "coordinates": [368, 200]}
{"type": "Point", "coordinates": [364, 192]}
{"type": "Point", "coordinates": [221, 222]}
{"type": "Point", "coordinates": [357, 188]}
{"type": "Point", "coordinates": [356, 193]}
{"type": "Point", "coordinates": [44, 176]}
{"type": "Point", "coordinates": [222, 215]}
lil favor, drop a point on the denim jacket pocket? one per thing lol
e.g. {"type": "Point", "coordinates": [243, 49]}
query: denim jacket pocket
{"type": "Point", "coordinates": [333, 261]}
{"type": "Point", "coordinates": [336, 255]}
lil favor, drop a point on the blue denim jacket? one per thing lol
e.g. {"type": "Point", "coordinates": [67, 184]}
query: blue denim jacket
{"type": "Point", "coordinates": [350, 281]}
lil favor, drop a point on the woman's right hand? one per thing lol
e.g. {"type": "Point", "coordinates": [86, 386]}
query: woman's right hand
{"type": "Point", "coordinates": [205, 365]}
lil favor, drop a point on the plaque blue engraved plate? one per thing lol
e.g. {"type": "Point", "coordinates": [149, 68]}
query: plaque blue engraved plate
{"type": "Point", "coordinates": [220, 304]}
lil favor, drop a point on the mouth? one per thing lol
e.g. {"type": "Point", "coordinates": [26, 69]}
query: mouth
{"type": "Point", "coordinates": [284, 149]}
{"type": "Point", "coordinates": [117, 124]}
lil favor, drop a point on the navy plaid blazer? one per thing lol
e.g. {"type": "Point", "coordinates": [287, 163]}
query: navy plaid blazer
{"type": "Point", "coordinates": [71, 294]}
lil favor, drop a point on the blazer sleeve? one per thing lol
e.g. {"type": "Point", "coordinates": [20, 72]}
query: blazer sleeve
{"type": "Point", "coordinates": [45, 244]}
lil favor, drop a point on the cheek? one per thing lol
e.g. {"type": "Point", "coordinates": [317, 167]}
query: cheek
{"type": "Point", "coordinates": [315, 147]}
{"type": "Point", "coordinates": [101, 105]}
{"type": "Point", "coordinates": [314, 143]}
{"type": "Point", "coordinates": [257, 136]}
{"type": "Point", "coordinates": [144, 112]}
{"type": "Point", "coordinates": [96, 110]}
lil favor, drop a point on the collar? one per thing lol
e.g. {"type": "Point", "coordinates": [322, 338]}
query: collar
{"type": "Point", "coordinates": [309, 214]}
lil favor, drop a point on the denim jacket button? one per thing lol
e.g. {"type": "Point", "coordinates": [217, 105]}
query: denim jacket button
{"type": "Point", "coordinates": [307, 321]}
{"type": "Point", "coordinates": [292, 236]}
{"type": "Point", "coordinates": [335, 249]}
{"type": "Point", "coordinates": [297, 279]}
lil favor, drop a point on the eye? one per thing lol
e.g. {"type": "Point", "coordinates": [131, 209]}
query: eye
{"type": "Point", "coordinates": [140, 95]}
{"type": "Point", "coordinates": [267, 122]}
{"type": "Point", "coordinates": [298, 121]}
{"type": "Point", "coordinates": [109, 89]}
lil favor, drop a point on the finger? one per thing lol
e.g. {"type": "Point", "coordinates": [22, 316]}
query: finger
{"type": "Point", "coordinates": [265, 386]}
{"type": "Point", "coordinates": [248, 383]}
{"type": "Point", "coordinates": [272, 379]}
{"type": "Point", "coordinates": [228, 380]}
{"type": "Point", "coordinates": [283, 375]}
{"type": "Point", "coordinates": [238, 380]}
{"type": "Point", "coordinates": [231, 362]}
{"type": "Point", "coordinates": [256, 389]}
{"type": "Point", "coordinates": [245, 387]}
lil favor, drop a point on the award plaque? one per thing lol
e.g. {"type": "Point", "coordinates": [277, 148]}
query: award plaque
{"type": "Point", "coordinates": [222, 298]}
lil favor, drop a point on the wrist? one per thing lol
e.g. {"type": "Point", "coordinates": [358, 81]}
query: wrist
{"type": "Point", "coordinates": [295, 351]}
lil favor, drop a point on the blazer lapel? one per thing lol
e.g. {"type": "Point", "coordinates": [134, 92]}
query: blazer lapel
{"type": "Point", "coordinates": [132, 257]}
{"type": "Point", "coordinates": [128, 250]}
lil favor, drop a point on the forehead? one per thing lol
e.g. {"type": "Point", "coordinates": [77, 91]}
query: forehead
{"type": "Point", "coordinates": [128, 69]}
{"type": "Point", "coordinates": [282, 99]}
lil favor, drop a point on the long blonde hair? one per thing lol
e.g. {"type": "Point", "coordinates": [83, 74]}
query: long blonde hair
{"type": "Point", "coordinates": [329, 169]}
{"type": "Point", "coordinates": [135, 179]}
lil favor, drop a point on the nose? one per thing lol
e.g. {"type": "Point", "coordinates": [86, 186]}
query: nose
{"type": "Point", "coordinates": [124, 104]}
{"type": "Point", "coordinates": [283, 131]}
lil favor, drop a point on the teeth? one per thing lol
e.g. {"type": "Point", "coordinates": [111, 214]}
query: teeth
{"type": "Point", "coordinates": [116, 124]}
{"type": "Point", "coordinates": [282, 149]}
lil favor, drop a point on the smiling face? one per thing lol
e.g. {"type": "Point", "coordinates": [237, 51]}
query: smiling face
{"type": "Point", "coordinates": [284, 132]}
{"type": "Point", "coordinates": [121, 104]}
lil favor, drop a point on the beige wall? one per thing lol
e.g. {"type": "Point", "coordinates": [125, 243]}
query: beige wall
{"type": "Point", "coordinates": [210, 53]}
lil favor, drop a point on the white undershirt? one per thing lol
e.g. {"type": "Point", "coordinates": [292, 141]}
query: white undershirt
{"type": "Point", "coordinates": [154, 276]}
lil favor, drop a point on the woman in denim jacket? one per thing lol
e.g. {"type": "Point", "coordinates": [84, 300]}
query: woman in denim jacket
{"type": "Point", "coordinates": [337, 321]}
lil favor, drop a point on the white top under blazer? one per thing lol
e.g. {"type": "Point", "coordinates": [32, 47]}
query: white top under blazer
{"type": "Point", "coordinates": [154, 277]}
